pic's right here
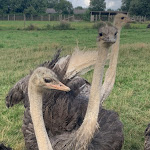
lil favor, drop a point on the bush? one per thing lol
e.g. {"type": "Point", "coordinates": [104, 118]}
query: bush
{"type": "Point", "coordinates": [31, 27]}
{"type": "Point", "coordinates": [48, 27]}
{"type": "Point", "coordinates": [64, 25]}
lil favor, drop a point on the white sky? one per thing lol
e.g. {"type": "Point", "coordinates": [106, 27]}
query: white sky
{"type": "Point", "coordinates": [113, 4]}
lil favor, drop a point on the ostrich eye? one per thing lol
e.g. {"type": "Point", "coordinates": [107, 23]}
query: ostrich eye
{"type": "Point", "coordinates": [116, 33]}
{"type": "Point", "coordinates": [122, 18]}
{"type": "Point", "coordinates": [47, 80]}
{"type": "Point", "coordinates": [100, 34]}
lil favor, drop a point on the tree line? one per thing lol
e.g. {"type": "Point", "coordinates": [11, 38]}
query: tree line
{"type": "Point", "coordinates": [137, 7]}
{"type": "Point", "coordinates": [39, 6]}
{"type": "Point", "coordinates": [134, 7]}
{"type": "Point", "coordinates": [34, 6]}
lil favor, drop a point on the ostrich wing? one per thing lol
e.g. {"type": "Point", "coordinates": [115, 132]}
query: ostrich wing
{"type": "Point", "coordinates": [65, 68]}
{"type": "Point", "coordinates": [18, 92]}
{"type": "Point", "coordinates": [81, 62]}
{"type": "Point", "coordinates": [147, 138]}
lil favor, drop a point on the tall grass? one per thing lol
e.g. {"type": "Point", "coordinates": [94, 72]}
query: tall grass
{"type": "Point", "coordinates": [21, 51]}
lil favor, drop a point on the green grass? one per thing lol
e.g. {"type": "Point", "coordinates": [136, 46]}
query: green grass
{"type": "Point", "coordinates": [22, 50]}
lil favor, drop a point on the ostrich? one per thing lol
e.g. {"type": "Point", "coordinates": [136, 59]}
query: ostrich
{"type": "Point", "coordinates": [44, 78]}
{"type": "Point", "coordinates": [64, 113]}
{"type": "Point", "coordinates": [119, 21]}
{"type": "Point", "coordinates": [19, 91]}
{"type": "Point", "coordinates": [78, 97]}
{"type": "Point", "coordinates": [147, 138]}
{"type": "Point", "coordinates": [3, 147]}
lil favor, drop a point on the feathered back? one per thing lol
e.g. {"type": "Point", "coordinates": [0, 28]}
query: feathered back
{"type": "Point", "coordinates": [3, 147]}
{"type": "Point", "coordinates": [81, 62]}
{"type": "Point", "coordinates": [78, 63]}
{"type": "Point", "coordinates": [19, 92]}
{"type": "Point", "coordinates": [147, 138]}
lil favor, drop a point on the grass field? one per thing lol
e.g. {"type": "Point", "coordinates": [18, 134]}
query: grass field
{"type": "Point", "coordinates": [22, 50]}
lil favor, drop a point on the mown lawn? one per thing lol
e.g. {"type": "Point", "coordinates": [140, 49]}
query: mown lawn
{"type": "Point", "coordinates": [22, 50]}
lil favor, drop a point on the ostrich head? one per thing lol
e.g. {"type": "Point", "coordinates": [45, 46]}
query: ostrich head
{"type": "Point", "coordinates": [43, 78]}
{"type": "Point", "coordinates": [107, 35]}
{"type": "Point", "coordinates": [121, 19]}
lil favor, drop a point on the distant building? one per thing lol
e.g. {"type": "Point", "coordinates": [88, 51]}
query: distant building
{"type": "Point", "coordinates": [79, 11]}
{"type": "Point", "coordinates": [104, 15]}
{"type": "Point", "coordinates": [50, 11]}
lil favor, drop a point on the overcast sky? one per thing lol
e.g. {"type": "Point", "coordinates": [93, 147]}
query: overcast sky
{"type": "Point", "coordinates": [113, 4]}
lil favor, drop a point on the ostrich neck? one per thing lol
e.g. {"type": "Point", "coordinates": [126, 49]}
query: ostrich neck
{"type": "Point", "coordinates": [35, 98]}
{"type": "Point", "coordinates": [87, 129]}
{"type": "Point", "coordinates": [111, 71]}
{"type": "Point", "coordinates": [115, 50]}
{"type": "Point", "coordinates": [114, 53]}
{"type": "Point", "coordinates": [95, 92]}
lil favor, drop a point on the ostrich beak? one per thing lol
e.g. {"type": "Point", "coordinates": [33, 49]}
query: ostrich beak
{"type": "Point", "coordinates": [58, 86]}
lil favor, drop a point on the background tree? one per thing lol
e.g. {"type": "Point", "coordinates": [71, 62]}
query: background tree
{"type": "Point", "coordinates": [97, 5]}
{"type": "Point", "coordinates": [52, 3]}
{"type": "Point", "coordinates": [4, 6]}
{"type": "Point", "coordinates": [125, 5]}
{"type": "Point", "coordinates": [79, 7]}
{"type": "Point", "coordinates": [109, 9]}
{"type": "Point", "coordinates": [64, 7]}
{"type": "Point", "coordinates": [20, 6]}
{"type": "Point", "coordinates": [140, 8]}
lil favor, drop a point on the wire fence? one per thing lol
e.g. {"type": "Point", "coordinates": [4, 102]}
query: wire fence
{"type": "Point", "coordinates": [47, 17]}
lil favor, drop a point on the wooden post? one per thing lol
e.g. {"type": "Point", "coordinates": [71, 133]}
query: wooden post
{"type": "Point", "coordinates": [109, 16]}
{"type": "Point", "coordinates": [100, 16]}
{"type": "Point", "coordinates": [96, 18]}
{"type": "Point", "coordinates": [145, 19]}
{"type": "Point", "coordinates": [73, 18]}
{"type": "Point", "coordinates": [92, 17]}
{"type": "Point", "coordinates": [41, 18]}
{"type": "Point", "coordinates": [140, 18]}
{"type": "Point", "coordinates": [59, 18]}
{"type": "Point", "coordinates": [64, 17]}
{"type": "Point", "coordinates": [31, 17]}
{"type": "Point", "coordinates": [24, 16]}
{"type": "Point", "coordinates": [8, 17]}
{"type": "Point", "coordinates": [49, 17]}
{"type": "Point", "coordinates": [14, 17]}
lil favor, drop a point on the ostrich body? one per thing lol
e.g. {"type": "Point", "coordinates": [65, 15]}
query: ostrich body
{"type": "Point", "coordinates": [3, 147]}
{"type": "Point", "coordinates": [80, 138]}
{"type": "Point", "coordinates": [63, 112]}
{"type": "Point", "coordinates": [147, 138]}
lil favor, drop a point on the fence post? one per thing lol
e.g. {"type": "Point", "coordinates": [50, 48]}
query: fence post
{"type": "Point", "coordinates": [109, 16]}
{"type": "Point", "coordinates": [31, 17]}
{"type": "Point", "coordinates": [24, 16]}
{"type": "Point", "coordinates": [64, 17]}
{"type": "Point", "coordinates": [60, 17]}
{"type": "Point", "coordinates": [41, 18]}
{"type": "Point", "coordinates": [140, 19]}
{"type": "Point", "coordinates": [49, 17]}
{"type": "Point", "coordinates": [144, 18]}
{"type": "Point", "coordinates": [92, 18]}
{"type": "Point", "coordinates": [73, 18]}
{"type": "Point", "coordinates": [14, 17]}
{"type": "Point", "coordinates": [8, 17]}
